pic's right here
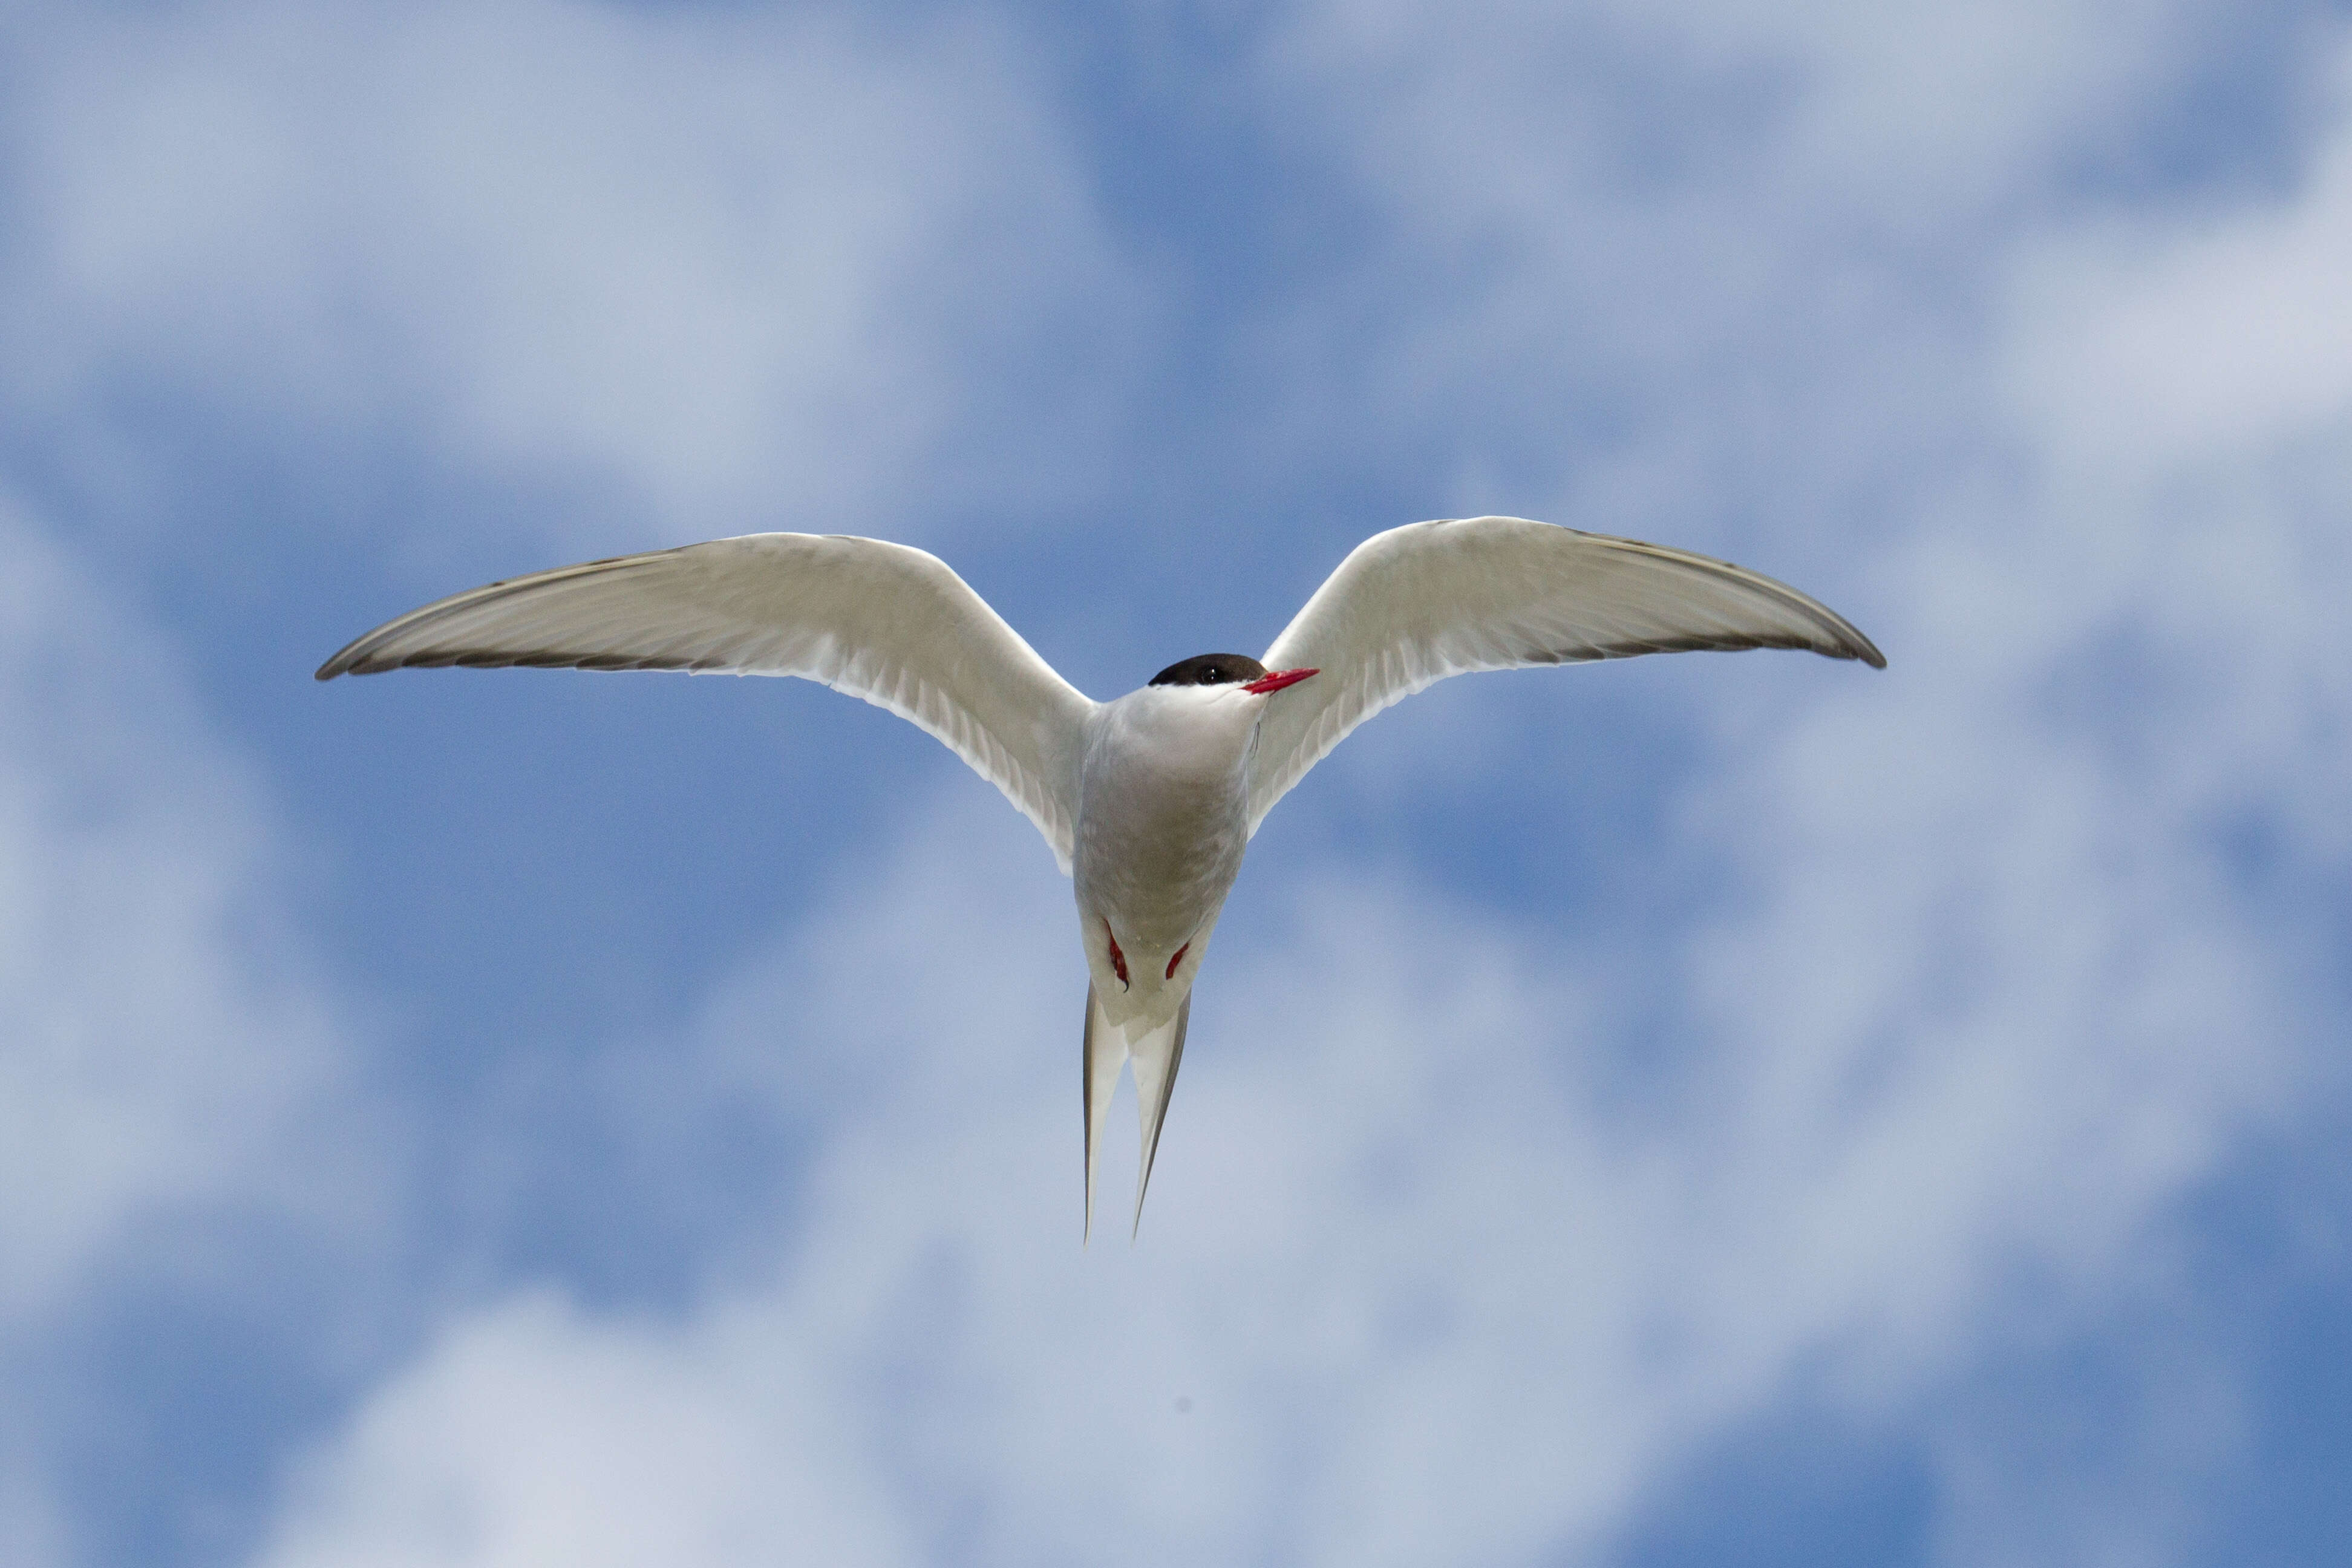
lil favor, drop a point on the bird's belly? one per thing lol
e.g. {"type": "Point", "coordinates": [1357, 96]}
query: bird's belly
{"type": "Point", "coordinates": [1159, 876]}
{"type": "Point", "coordinates": [1155, 867]}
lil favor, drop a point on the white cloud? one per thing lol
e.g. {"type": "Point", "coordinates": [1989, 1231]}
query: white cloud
{"type": "Point", "coordinates": [1725, 273]}
{"type": "Point", "coordinates": [159, 1048]}
{"type": "Point", "coordinates": [1888, 121]}
{"type": "Point", "coordinates": [690, 262]}
{"type": "Point", "coordinates": [1979, 1005]}
{"type": "Point", "coordinates": [176, 1117]}
{"type": "Point", "coordinates": [2182, 379]}
{"type": "Point", "coordinates": [2169, 337]}
{"type": "Point", "coordinates": [1431, 1286]}
{"type": "Point", "coordinates": [532, 1435]}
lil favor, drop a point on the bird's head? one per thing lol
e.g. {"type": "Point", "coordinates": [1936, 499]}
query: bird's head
{"type": "Point", "coordinates": [1225, 673]}
{"type": "Point", "coordinates": [1202, 714]}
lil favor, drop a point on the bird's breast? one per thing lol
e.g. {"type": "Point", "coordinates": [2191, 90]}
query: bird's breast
{"type": "Point", "coordinates": [1163, 823]}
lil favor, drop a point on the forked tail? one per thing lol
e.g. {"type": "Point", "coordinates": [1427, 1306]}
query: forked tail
{"type": "Point", "coordinates": [1154, 1057]}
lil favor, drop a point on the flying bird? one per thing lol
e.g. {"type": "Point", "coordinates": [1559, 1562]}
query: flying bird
{"type": "Point", "coordinates": [1147, 801]}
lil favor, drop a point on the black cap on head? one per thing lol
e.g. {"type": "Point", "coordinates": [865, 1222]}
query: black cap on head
{"type": "Point", "coordinates": [1211, 670]}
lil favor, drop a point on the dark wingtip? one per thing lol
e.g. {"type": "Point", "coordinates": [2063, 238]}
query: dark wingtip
{"type": "Point", "coordinates": [345, 663]}
{"type": "Point", "coordinates": [346, 660]}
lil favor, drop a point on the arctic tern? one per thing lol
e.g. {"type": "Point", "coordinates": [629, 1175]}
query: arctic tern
{"type": "Point", "coordinates": [1148, 802]}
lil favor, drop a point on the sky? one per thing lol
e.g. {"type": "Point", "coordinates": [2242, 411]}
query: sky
{"type": "Point", "coordinates": [1711, 1109]}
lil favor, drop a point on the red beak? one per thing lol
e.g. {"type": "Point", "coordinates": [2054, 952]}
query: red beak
{"type": "Point", "coordinates": [1275, 679]}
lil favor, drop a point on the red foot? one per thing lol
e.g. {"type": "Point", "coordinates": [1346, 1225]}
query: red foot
{"type": "Point", "coordinates": [1178, 959]}
{"type": "Point", "coordinates": [1117, 958]}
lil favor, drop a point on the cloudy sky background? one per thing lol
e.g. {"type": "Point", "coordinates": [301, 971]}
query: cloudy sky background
{"type": "Point", "coordinates": [1728, 1111]}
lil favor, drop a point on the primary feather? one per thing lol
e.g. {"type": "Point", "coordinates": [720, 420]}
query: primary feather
{"type": "Point", "coordinates": [1409, 607]}
{"type": "Point", "coordinates": [884, 622]}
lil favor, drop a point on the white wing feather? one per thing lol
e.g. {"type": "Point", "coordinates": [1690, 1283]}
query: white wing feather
{"type": "Point", "coordinates": [1411, 606]}
{"type": "Point", "coordinates": [883, 622]}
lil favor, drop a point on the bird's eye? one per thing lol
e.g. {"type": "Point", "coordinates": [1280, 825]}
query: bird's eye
{"type": "Point", "coordinates": [1211, 676]}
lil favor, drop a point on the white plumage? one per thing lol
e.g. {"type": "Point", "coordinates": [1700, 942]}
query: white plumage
{"type": "Point", "coordinates": [1147, 801]}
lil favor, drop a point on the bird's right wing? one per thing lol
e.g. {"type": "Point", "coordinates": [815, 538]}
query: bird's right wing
{"type": "Point", "coordinates": [884, 622]}
{"type": "Point", "coordinates": [1411, 606]}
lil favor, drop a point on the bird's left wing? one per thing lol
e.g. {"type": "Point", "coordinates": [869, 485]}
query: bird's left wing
{"type": "Point", "coordinates": [1411, 606]}
{"type": "Point", "coordinates": [884, 622]}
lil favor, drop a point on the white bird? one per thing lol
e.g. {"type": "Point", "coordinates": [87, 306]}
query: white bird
{"type": "Point", "coordinates": [1147, 802]}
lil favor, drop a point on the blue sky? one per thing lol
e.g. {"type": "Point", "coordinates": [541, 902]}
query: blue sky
{"type": "Point", "coordinates": [1714, 1109]}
